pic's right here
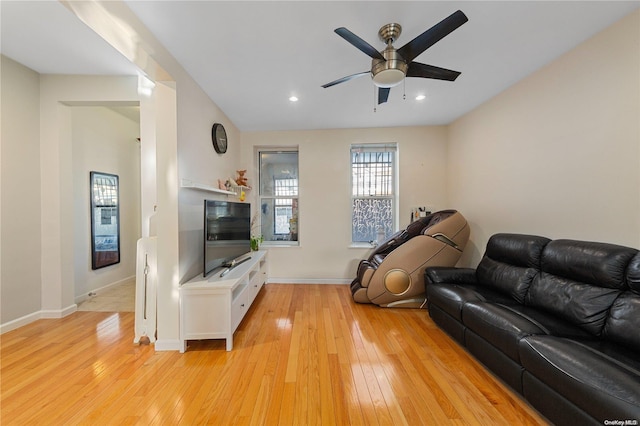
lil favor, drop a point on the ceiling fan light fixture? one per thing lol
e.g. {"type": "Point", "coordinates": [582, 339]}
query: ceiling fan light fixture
{"type": "Point", "coordinates": [389, 72]}
{"type": "Point", "coordinates": [388, 78]}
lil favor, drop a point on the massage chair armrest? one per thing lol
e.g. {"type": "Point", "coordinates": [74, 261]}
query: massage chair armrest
{"type": "Point", "coordinates": [388, 245]}
{"type": "Point", "coordinates": [448, 275]}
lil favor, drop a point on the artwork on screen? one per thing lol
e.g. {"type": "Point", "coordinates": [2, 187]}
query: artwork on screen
{"type": "Point", "coordinates": [227, 233]}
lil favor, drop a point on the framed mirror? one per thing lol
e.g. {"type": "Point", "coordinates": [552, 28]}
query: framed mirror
{"type": "Point", "coordinates": [105, 220]}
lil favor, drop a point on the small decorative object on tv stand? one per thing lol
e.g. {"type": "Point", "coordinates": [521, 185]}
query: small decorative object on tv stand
{"type": "Point", "coordinates": [212, 307]}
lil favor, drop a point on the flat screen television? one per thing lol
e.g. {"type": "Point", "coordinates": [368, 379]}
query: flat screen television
{"type": "Point", "coordinates": [227, 233]}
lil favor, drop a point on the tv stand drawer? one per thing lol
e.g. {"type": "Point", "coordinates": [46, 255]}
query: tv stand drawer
{"type": "Point", "coordinates": [239, 307]}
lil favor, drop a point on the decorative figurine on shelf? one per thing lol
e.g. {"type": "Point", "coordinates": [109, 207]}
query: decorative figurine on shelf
{"type": "Point", "coordinates": [241, 180]}
{"type": "Point", "coordinates": [225, 185]}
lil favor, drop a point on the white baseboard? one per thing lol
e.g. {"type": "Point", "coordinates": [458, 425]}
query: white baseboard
{"type": "Point", "coordinates": [168, 345]}
{"type": "Point", "coordinates": [273, 280]}
{"type": "Point", "coordinates": [43, 314]}
{"type": "Point", "coordinates": [19, 322]}
{"type": "Point", "coordinates": [58, 313]}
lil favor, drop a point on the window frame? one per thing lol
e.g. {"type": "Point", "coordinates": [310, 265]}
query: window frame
{"type": "Point", "coordinates": [393, 187]}
{"type": "Point", "coordinates": [292, 198]}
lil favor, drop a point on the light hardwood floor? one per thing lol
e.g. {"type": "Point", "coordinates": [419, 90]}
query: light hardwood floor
{"type": "Point", "coordinates": [118, 298]}
{"type": "Point", "coordinates": [303, 355]}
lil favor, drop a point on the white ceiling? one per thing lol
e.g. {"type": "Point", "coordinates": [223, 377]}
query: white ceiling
{"type": "Point", "coordinates": [249, 57]}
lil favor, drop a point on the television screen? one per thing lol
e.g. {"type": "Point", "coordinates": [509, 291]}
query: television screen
{"type": "Point", "coordinates": [227, 232]}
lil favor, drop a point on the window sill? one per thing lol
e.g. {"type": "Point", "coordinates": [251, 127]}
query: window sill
{"type": "Point", "coordinates": [270, 244]}
{"type": "Point", "coordinates": [361, 246]}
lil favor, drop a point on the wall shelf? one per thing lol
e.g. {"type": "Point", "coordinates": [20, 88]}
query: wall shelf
{"type": "Point", "coordinates": [186, 183]}
{"type": "Point", "coordinates": [241, 187]}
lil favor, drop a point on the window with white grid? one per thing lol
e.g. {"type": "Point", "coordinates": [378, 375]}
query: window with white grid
{"type": "Point", "coordinates": [373, 191]}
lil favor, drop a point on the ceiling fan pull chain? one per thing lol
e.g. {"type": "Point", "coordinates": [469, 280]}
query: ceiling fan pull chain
{"type": "Point", "coordinates": [374, 98]}
{"type": "Point", "coordinates": [404, 89]}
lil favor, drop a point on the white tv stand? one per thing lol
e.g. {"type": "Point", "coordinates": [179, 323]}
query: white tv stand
{"type": "Point", "coordinates": [212, 307]}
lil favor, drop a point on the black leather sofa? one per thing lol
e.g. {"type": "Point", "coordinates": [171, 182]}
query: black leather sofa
{"type": "Point", "coordinates": [557, 320]}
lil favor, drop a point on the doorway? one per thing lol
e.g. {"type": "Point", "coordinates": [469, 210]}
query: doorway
{"type": "Point", "coordinates": [105, 138]}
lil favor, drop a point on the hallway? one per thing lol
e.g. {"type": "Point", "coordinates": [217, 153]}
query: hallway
{"type": "Point", "coordinates": [119, 298]}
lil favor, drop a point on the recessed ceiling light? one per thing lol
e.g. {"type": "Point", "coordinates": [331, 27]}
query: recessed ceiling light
{"type": "Point", "coordinates": [420, 97]}
{"type": "Point", "coordinates": [293, 99]}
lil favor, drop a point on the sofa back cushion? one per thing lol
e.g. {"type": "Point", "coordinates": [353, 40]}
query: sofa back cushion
{"type": "Point", "coordinates": [623, 324]}
{"type": "Point", "coordinates": [510, 263]}
{"type": "Point", "coordinates": [580, 281]}
{"type": "Point", "coordinates": [633, 274]}
{"type": "Point", "coordinates": [599, 264]}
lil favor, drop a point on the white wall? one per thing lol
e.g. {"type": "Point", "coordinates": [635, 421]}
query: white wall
{"type": "Point", "coordinates": [104, 141]}
{"type": "Point", "coordinates": [199, 162]}
{"type": "Point", "coordinates": [324, 223]}
{"type": "Point", "coordinates": [557, 154]}
{"type": "Point", "coordinates": [20, 267]}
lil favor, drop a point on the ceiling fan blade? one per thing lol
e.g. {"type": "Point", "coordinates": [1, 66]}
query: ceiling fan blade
{"type": "Point", "coordinates": [359, 43]}
{"type": "Point", "coordinates": [416, 69]}
{"type": "Point", "coordinates": [383, 94]}
{"type": "Point", "coordinates": [430, 37]}
{"type": "Point", "coordinates": [347, 78]}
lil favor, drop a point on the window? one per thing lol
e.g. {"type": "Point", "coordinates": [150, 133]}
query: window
{"type": "Point", "coordinates": [373, 194]}
{"type": "Point", "coordinates": [284, 206]}
{"type": "Point", "coordinates": [278, 196]}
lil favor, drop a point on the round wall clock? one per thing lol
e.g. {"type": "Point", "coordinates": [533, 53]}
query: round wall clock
{"type": "Point", "coordinates": [219, 138]}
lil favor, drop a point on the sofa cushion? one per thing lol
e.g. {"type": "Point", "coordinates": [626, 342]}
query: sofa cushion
{"type": "Point", "coordinates": [624, 319]}
{"type": "Point", "coordinates": [504, 325]}
{"type": "Point", "coordinates": [623, 323]}
{"type": "Point", "coordinates": [516, 249]}
{"type": "Point", "coordinates": [500, 326]}
{"type": "Point", "coordinates": [600, 385]}
{"type": "Point", "coordinates": [551, 324]}
{"type": "Point", "coordinates": [633, 274]}
{"type": "Point", "coordinates": [451, 297]}
{"type": "Point", "coordinates": [581, 304]}
{"type": "Point", "coordinates": [580, 280]}
{"type": "Point", "coordinates": [622, 354]}
{"type": "Point", "coordinates": [510, 263]}
{"type": "Point", "coordinates": [597, 264]}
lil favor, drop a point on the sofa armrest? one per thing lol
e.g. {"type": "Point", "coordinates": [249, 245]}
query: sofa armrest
{"type": "Point", "coordinates": [443, 274]}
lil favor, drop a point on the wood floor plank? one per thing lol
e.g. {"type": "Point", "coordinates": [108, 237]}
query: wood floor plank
{"type": "Point", "coordinates": [304, 354]}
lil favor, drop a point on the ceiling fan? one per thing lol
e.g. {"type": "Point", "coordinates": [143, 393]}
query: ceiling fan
{"type": "Point", "coordinates": [390, 66]}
